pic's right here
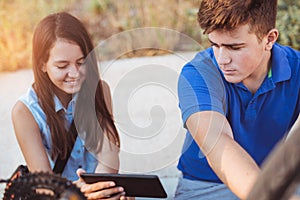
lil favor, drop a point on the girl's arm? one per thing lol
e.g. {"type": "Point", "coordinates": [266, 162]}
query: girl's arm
{"type": "Point", "coordinates": [108, 162]}
{"type": "Point", "coordinates": [29, 138]}
{"type": "Point", "coordinates": [109, 155]}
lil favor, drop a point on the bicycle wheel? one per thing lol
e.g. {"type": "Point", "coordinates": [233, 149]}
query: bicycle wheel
{"type": "Point", "coordinates": [26, 188]}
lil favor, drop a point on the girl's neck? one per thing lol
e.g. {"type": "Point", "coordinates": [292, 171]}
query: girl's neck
{"type": "Point", "coordinates": [63, 97]}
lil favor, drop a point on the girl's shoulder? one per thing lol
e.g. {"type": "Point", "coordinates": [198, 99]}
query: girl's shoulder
{"type": "Point", "coordinates": [29, 103]}
{"type": "Point", "coordinates": [29, 98]}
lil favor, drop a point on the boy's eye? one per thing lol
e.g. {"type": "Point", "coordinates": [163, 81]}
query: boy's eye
{"type": "Point", "coordinates": [235, 48]}
{"type": "Point", "coordinates": [214, 45]}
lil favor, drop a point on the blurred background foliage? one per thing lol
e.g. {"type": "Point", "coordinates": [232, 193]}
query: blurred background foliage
{"type": "Point", "coordinates": [104, 18]}
{"type": "Point", "coordinates": [17, 21]}
{"type": "Point", "coordinates": [288, 22]}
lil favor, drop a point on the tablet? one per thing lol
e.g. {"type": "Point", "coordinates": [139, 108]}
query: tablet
{"type": "Point", "coordinates": [135, 185]}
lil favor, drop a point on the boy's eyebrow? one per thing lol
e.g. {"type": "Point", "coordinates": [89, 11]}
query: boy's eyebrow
{"type": "Point", "coordinates": [227, 45]}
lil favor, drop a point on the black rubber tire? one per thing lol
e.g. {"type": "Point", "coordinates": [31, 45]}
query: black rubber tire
{"type": "Point", "coordinates": [25, 187]}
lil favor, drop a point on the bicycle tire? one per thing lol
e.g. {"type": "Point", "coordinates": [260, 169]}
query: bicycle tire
{"type": "Point", "coordinates": [24, 188]}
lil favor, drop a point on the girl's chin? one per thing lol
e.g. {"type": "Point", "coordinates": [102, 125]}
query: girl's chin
{"type": "Point", "coordinates": [72, 90]}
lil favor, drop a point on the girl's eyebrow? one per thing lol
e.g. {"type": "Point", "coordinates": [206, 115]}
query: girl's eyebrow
{"type": "Point", "coordinates": [60, 61]}
{"type": "Point", "coordinates": [65, 61]}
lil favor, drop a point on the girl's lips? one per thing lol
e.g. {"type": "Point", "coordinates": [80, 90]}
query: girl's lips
{"type": "Point", "coordinates": [73, 82]}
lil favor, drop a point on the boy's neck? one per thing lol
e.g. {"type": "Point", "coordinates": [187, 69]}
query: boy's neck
{"type": "Point", "coordinates": [255, 80]}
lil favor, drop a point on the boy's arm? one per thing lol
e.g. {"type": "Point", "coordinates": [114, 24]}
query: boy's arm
{"type": "Point", "coordinates": [295, 128]}
{"type": "Point", "coordinates": [233, 165]}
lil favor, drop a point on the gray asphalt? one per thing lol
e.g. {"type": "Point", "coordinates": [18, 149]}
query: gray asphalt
{"type": "Point", "coordinates": [145, 105]}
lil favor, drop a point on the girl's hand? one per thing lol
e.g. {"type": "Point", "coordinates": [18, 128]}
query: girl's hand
{"type": "Point", "coordinates": [99, 190]}
{"type": "Point", "coordinates": [102, 190]}
{"type": "Point", "coordinates": [127, 198]}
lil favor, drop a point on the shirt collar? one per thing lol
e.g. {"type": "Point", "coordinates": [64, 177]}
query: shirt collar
{"type": "Point", "coordinates": [281, 70]}
{"type": "Point", "coordinates": [58, 105]}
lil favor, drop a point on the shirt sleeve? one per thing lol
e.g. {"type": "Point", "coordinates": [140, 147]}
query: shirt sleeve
{"type": "Point", "coordinates": [201, 88]}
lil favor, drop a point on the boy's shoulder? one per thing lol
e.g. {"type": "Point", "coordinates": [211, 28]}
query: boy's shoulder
{"type": "Point", "coordinates": [289, 51]}
{"type": "Point", "coordinates": [201, 60]}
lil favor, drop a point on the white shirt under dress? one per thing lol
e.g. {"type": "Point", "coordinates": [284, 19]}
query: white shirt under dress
{"type": "Point", "coordinates": [80, 157]}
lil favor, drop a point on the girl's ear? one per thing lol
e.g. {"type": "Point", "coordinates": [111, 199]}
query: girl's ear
{"type": "Point", "coordinates": [271, 38]}
{"type": "Point", "coordinates": [44, 68]}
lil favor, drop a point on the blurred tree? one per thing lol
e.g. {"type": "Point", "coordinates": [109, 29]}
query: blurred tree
{"type": "Point", "coordinates": [288, 22]}
{"type": "Point", "coordinates": [104, 18]}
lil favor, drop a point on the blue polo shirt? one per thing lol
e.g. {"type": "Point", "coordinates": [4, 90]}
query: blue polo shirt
{"type": "Point", "coordinates": [258, 121]}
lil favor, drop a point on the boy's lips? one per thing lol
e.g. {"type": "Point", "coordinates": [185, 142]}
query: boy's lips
{"type": "Point", "coordinates": [229, 72]}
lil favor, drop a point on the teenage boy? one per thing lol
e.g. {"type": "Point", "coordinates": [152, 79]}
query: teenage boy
{"type": "Point", "coordinates": [238, 98]}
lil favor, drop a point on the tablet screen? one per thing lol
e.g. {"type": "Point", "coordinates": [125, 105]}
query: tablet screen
{"type": "Point", "coordinates": [135, 185]}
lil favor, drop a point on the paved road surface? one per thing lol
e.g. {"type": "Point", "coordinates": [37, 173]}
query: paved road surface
{"type": "Point", "coordinates": [146, 113]}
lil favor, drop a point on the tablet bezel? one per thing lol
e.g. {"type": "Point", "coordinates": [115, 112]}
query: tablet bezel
{"type": "Point", "coordinates": [135, 185]}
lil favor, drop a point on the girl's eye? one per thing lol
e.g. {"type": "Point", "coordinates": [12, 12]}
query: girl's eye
{"type": "Point", "coordinates": [61, 66]}
{"type": "Point", "coordinates": [81, 62]}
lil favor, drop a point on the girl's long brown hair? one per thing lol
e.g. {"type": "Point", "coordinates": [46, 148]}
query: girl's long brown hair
{"type": "Point", "coordinates": [92, 117]}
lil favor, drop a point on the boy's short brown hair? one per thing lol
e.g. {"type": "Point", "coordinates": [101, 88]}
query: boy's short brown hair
{"type": "Point", "coordinates": [229, 14]}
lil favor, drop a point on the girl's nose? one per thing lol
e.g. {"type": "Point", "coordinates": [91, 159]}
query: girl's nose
{"type": "Point", "coordinates": [73, 71]}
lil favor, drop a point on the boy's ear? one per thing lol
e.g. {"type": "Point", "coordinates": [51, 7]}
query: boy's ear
{"type": "Point", "coordinates": [271, 38]}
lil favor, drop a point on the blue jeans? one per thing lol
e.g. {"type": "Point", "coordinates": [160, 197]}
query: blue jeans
{"type": "Point", "coordinates": [203, 190]}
